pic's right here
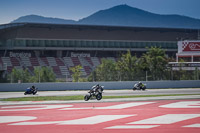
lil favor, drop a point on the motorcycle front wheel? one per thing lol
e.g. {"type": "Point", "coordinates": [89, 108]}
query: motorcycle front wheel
{"type": "Point", "coordinates": [87, 97]}
{"type": "Point", "coordinates": [144, 88]}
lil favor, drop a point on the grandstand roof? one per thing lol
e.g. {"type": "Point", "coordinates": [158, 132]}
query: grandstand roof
{"type": "Point", "coordinates": [38, 36]}
{"type": "Point", "coordinates": [95, 32]}
{"type": "Point", "coordinates": [10, 25]}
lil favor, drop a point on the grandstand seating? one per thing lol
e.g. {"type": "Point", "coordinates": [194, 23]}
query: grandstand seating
{"type": "Point", "coordinates": [51, 61]}
{"type": "Point", "coordinates": [34, 61]}
{"type": "Point", "coordinates": [60, 66]}
{"type": "Point", "coordinates": [83, 62]}
{"type": "Point", "coordinates": [7, 61]}
{"type": "Point", "coordinates": [45, 61]}
{"type": "Point", "coordinates": [15, 61]}
{"type": "Point", "coordinates": [89, 60]}
{"type": "Point", "coordinates": [26, 61]}
{"type": "Point", "coordinates": [95, 61]}
{"type": "Point", "coordinates": [56, 70]}
{"type": "Point", "coordinates": [88, 70]}
{"type": "Point", "coordinates": [9, 68]}
{"type": "Point", "coordinates": [59, 62]}
{"type": "Point", "coordinates": [64, 71]}
{"type": "Point", "coordinates": [68, 61]}
{"type": "Point", "coordinates": [76, 61]}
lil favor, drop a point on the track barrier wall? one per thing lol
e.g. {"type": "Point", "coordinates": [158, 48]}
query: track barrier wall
{"type": "Point", "coordinates": [6, 87]}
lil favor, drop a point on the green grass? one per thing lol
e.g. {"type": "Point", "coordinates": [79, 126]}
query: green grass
{"type": "Point", "coordinates": [81, 97]}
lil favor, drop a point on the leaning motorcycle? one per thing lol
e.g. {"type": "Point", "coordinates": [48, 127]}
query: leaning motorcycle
{"type": "Point", "coordinates": [94, 93]}
{"type": "Point", "coordinates": [30, 91]}
{"type": "Point", "coordinates": [142, 87]}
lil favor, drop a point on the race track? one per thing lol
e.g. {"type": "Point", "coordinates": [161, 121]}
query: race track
{"type": "Point", "coordinates": [145, 115]}
{"type": "Point", "coordinates": [170, 116]}
{"type": "Point", "coordinates": [106, 92]}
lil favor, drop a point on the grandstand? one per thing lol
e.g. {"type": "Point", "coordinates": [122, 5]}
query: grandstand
{"type": "Point", "coordinates": [29, 45]}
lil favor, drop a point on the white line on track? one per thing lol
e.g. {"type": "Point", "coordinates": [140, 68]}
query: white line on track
{"type": "Point", "coordinates": [118, 106]}
{"type": "Point", "coordinates": [132, 127]}
{"type": "Point", "coordinates": [167, 119]}
{"type": "Point", "coordinates": [182, 104]}
{"type": "Point", "coordinates": [94, 119]}
{"type": "Point", "coordinates": [32, 107]}
{"type": "Point", "coordinates": [7, 119]}
{"type": "Point", "coordinates": [193, 125]}
{"type": "Point", "coordinates": [83, 121]}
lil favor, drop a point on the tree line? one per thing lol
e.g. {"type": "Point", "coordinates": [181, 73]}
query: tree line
{"type": "Point", "coordinates": [152, 65]}
{"type": "Point", "coordinates": [40, 74]}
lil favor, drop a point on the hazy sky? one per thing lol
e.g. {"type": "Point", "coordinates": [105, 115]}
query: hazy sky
{"type": "Point", "coordinates": [78, 9]}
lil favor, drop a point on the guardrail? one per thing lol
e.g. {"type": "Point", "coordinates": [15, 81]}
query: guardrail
{"type": "Point", "coordinates": [6, 87]}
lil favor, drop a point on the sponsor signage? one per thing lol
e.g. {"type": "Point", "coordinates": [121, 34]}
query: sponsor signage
{"type": "Point", "coordinates": [80, 54]}
{"type": "Point", "coordinates": [19, 55]}
{"type": "Point", "coordinates": [189, 45]}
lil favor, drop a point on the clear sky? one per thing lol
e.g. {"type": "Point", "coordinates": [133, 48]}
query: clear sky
{"type": "Point", "coordinates": [78, 9]}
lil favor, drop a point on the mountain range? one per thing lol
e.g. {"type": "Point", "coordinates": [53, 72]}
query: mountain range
{"type": "Point", "coordinates": [121, 15]}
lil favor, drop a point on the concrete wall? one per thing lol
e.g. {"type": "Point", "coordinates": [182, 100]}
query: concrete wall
{"type": "Point", "coordinates": [107, 85]}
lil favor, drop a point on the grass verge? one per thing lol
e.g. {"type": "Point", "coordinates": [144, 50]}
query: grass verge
{"type": "Point", "coordinates": [80, 97]}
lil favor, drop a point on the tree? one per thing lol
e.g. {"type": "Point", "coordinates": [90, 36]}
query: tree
{"type": "Point", "coordinates": [76, 73]}
{"type": "Point", "coordinates": [126, 66]}
{"type": "Point", "coordinates": [155, 61]}
{"type": "Point", "coordinates": [19, 75]}
{"type": "Point", "coordinates": [43, 74]}
{"type": "Point", "coordinates": [106, 71]}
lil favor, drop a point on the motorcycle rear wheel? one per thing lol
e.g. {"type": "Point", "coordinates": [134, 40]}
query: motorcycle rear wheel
{"type": "Point", "coordinates": [99, 97]}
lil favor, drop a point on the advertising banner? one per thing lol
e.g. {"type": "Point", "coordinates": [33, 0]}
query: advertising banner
{"type": "Point", "coordinates": [189, 46]}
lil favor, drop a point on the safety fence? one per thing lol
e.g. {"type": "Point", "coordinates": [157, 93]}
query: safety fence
{"type": "Point", "coordinates": [107, 85]}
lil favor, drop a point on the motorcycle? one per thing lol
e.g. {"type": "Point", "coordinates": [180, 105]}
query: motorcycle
{"type": "Point", "coordinates": [94, 93]}
{"type": "Point", "coordinates": [142, 87]}
{"type": "Point", "coordinates": [30, 91]}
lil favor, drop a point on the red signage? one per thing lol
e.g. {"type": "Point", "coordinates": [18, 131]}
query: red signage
{"type": "Point", "coordinates": [191, 46]}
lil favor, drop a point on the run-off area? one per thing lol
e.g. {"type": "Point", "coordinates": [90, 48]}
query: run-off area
{"type": "Point", "coordinates": [148, 116]}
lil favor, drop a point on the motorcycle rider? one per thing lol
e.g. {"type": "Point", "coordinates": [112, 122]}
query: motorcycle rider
{"type": "Point", "coordinates": [33, 88]}
{"type": "Point", "coordinates": [140, 85]}
{"type": "Point", "coordinates": [94, 88]}
{"type": "Point", "coordinates": [95, 92]}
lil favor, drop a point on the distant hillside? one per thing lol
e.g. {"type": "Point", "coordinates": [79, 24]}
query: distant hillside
{"type": "Point", "coordinates": [122, 15]}
{"type": "Point", "coordinates": [41, 19]}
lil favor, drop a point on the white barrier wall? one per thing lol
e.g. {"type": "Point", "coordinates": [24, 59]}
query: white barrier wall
{"type": "Point", "coordinates": [107, 85]}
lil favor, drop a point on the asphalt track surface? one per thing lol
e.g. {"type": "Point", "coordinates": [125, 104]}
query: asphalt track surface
{"type": "Point", "coordinates": [106, 92]}
{"type": "Point", "coordinates": [156, 116]}
{"type": "Point", "coordinates": [143, 115]}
